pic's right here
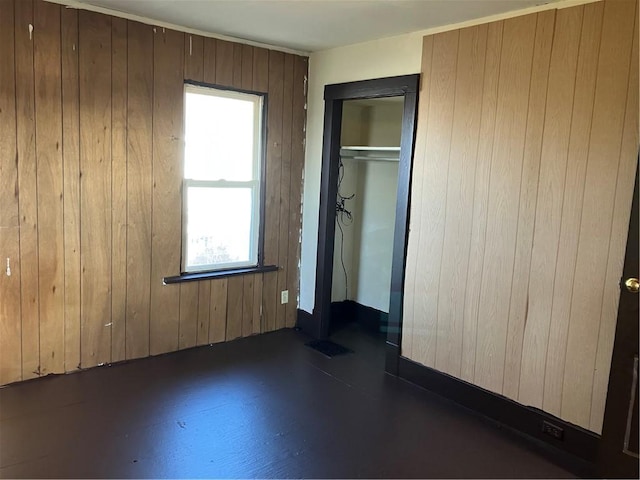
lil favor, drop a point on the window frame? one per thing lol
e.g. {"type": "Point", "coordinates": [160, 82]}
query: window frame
{"type": "Point", "coordinates": [258, 185]}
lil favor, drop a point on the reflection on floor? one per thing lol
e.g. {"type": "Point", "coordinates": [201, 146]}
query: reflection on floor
{"type": "Point", "coordinates": [265, 406]}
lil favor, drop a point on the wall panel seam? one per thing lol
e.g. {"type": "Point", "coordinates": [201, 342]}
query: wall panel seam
{"type": "Point", "coordinates": [422, 157]}
{"type": "Point", "coordinates": [616, 193]}
{"type": "Point", "coordinates": [575, 266]}
{"type": "Point", "coordinates": [484, 253]}
{"type": "Point", "coordinates": [553, 298]}
{"type": "Point", "coordinates": [475, 178]}
{"type": "Point", "coordinates": [446, 196]}
{"type": "Point", "coordinates": [17, 159]}
{"type": "Point", "coordinates": [35, 157]}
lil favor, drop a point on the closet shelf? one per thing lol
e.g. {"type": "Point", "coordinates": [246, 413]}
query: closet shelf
{"type": "Point", "coordinates": [381, 154]}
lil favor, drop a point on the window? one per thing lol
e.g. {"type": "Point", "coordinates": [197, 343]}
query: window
{"type": "Point", "coordinates": [222, 187]}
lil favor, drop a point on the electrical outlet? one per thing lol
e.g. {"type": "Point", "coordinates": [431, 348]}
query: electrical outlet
{"type": "Point", "coordinates": [552, 430]}
{"type": "Point", "coordinates": [284, 297]}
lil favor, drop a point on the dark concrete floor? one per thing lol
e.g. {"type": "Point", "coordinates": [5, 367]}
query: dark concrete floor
{"type": "Point", "coordinates": [265, 406]}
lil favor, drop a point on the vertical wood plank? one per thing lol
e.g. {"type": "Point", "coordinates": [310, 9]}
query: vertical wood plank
{"type": "Point", "coordinates": [10, 308]}
{"type": "Point", "coordinates": [504, 192]}
{"type": "Point", "coordinates": [235, 288]}
{"type": "Point", "coordinates": [8, 154]}
{"type": "Point", "coordinates": [246, 67]}
{"type": "Point", "coordinates": [410, 295]}
{"type": "Point", "coordinates": [95, 187]}
{"type": "Point", "coordinates": [209, 60]}
{"type": "Point", "coordinates": [436, 161]}
{"type": "Point", "coordinates": [237, 65]}
{"type": "Point", "coordinates": [224, 63]}
{"type": "Point", "coordinates": [270, 290]}
{"type": "Point", "coordinates": [481, 198]}
{"type": "Point", "coordinates": [528, 196]}
{"type": "Point", "coordinates": [119, 188]}
{"type": "Point", "coordinates": [285, 189]}
{"type": "Point", "coordinates": [26, 137]}
{"type": "Point", "coordinates": [247, 305]}
{"type": "Point", "coordinates": [260, 70]}
{"type": "Point", "coordinates": [297, 166]}
{"type": "Point", "coordinates": [272, 197]}
{"type": "Point", "coordinates": [168, 48]}
{"type": "Point", "coordinates": [618, 243]}
{"type": "Point", "coordinates": [572, 204]}
{"type": "Point", "coordinates": [256, 318]}
{"type": "Point", "coordinates": [204, 314]}
{"type": "Point", "coordinates": [48, 102]}
{"type": "Point", "coordinates": [269, 299]}
{"type": "Point", "coordinates": [459, 197]}
{"type": "Point", "coordinates": [193, 57]}
{"type": "Point", "coordinates": [139, 183]}
{"type": "Point", "coordinates": [190, 291]}
{"type": "Point", "coordinates": [551, 179]}
{"type": "Point", "coordinates": [71, 160]}
{"type": "Point", "coordinates": [10, 327]}
{"type": "Point", "coordinates": [218, 311]}
{"type": "Point", "coordinates": [598, 203]}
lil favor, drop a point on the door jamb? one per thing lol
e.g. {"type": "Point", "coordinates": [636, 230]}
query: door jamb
{"type": "Point", "coordinates": [334, 96]}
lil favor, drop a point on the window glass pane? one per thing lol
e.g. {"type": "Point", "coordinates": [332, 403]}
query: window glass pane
{"type": "Point", "coordinates": [219, 229]}
{"type": "Point", "coordinates": [219, 137]}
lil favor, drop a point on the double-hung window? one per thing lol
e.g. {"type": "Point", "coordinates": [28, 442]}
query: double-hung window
{"type": "Point", "coordinates": [222, 179]}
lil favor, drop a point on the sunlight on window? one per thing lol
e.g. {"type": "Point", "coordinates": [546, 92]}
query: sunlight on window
{"type": "Point", "coordinates": [221, 179]}
{"type": "Point", "coordinates": [218, 235]}
{"type": "Point", "coordinates": [219, 138]}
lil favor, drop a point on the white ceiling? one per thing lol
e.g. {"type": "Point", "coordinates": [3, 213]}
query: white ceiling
{"type": "Point", "coordinates": [311, 25]}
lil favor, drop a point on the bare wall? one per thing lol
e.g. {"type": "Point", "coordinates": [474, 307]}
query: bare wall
{"type": "Point", "coordinates": [522, 181]}
{"type": "Point", "coordinates": [91, 111]}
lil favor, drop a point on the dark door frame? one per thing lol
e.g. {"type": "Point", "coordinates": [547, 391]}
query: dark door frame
{"type": "Point", "coordinates": [334, 95]}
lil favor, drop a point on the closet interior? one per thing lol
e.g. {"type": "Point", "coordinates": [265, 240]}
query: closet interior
{"type": "Point", "coordinates": [365, 212]}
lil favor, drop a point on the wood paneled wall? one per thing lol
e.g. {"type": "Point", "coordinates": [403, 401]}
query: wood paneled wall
{"type": "Point", "coordinates": [523, 174]}
{"type": "Point", "coordinates": [91, 118]}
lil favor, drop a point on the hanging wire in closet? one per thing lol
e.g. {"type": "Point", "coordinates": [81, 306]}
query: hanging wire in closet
{"type": "Point", "coordinates": [343, 218]}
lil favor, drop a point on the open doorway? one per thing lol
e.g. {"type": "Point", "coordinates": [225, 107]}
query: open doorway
{"type": "Point", "coordinates": [405, 87]}
{"type": "Point", "coordinates": [365, 215]}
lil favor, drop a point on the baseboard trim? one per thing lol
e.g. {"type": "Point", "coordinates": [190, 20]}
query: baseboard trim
{"type": "Point", "coordinates": [391, 360]}
{"type": "Point", "coordinates": [577, 441]}
{"type": "Point", "coordinates": [370, 318]}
